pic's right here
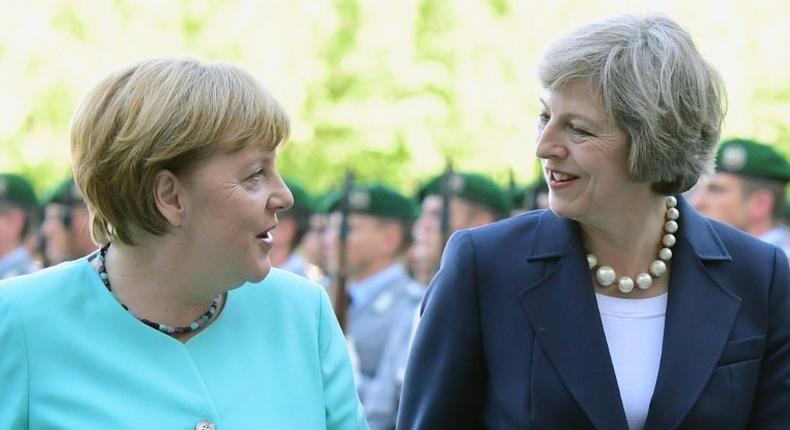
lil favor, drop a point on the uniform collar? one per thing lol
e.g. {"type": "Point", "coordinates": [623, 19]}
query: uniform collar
{"type": "Point", "coordinates": [366, 290]}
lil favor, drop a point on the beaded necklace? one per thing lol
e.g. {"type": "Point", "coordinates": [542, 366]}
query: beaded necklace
{"type": "Point", "coordinates": [164, 328]}
{"type": "Point", "coordinates": [606, 276]}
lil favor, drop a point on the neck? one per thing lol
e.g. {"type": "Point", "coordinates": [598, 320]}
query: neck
{"type": "Point", "coordinates": [628, 243]}
{"type": "Point", "coordinates": [157, 283]}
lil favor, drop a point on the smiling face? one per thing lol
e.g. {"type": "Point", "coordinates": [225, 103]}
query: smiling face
{"type": "Point", "coordinates": [231, 201]}
{"type": "Point", "coordinates": [585, 156]}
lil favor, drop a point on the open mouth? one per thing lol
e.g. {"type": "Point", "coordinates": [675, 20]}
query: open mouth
{"type": "Point", "coordinates": [266, 236]}
{"type": "Point", "coordinates": [559, 178]}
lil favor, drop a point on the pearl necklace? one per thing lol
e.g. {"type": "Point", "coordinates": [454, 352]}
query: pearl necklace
{"type": "Point", "coordinates": [606, 276]}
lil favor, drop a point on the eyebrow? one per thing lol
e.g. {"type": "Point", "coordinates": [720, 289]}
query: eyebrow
{"type": "Point", "coordinates": [571, 114]}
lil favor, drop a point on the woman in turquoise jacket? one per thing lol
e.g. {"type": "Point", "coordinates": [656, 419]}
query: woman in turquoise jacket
{"type": "Point", "coordinates": [178, 321]}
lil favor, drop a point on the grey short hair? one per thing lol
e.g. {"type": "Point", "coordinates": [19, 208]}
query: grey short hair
{"type": "Point", "coordinates": [656, 87]}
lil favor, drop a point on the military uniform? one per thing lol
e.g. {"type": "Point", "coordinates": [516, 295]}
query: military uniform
{"type": "Point", "coordinates": [381, 308]}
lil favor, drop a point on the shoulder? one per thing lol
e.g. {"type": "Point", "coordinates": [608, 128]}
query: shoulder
{"type": "Point", "coordinates": [510, 238]}
{"type": "Point", "coordinates": [741, 246]}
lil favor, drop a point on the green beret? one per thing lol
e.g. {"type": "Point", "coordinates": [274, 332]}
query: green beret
{"type": "Point", "coordinates": [473, 187]}
{"type": "Point", "coordinates": [17, 190]}
{"type": "Point", "coordinates": [749, 158]}
{"type": "Point", "coordinates": [67, 193]}
{"type": "Point", "coordinates": [324, 203]}
{"type": "Point", "coordinates": [303, 203]}
{"type": "Point", "coordinates": [377, 200]}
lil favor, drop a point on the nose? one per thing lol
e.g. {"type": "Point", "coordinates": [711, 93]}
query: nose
{"type": "Point", "coordinates": [282, 198]}
{"type": "Point", "coordinates": [549, 143]}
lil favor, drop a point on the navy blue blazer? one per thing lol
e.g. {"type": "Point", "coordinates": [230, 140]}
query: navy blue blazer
{"type": "Point", "coordinates": [511, 336]}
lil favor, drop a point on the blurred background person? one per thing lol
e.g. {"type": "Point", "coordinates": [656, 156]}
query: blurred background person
{"type": "Point", "coordinates": [18, 217]}
{"type": "Point", "coordinates": [313, 247]}
{"type": "Point", "coordinates": [533, 196]}
{"type": "Point", "coordinates": [747, 191]}
{"type": "Point", "coordinates": [293, 224]}
{"type": "Point", "coordinates": [66, 227]}
{"type": "Point", "coordinates": [187, 321]}
{"type": "Point", "coordinates": [620, 307]}
{"type": "Point", "coordinates": [383, 295]}
{"type": "Point", "coordinates": [475, 200]}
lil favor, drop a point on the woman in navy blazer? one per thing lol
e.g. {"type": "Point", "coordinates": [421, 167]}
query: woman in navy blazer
{"type": "Point", "coordinates": [620, 307]}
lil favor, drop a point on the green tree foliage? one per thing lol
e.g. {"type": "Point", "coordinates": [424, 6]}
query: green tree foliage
{"type": "Point", "coordinates": [391, 90]}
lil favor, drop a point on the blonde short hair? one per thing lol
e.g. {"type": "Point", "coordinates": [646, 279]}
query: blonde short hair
{"type": "Point", "coordinates": [657, 88]}
{"type": "Point", "coordinates": [162, 114]}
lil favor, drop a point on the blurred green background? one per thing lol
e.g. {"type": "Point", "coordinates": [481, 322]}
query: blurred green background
{"type": "Point", "coordinates": [390, 89]}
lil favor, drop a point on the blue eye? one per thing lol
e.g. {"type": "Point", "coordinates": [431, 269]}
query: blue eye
{"type": "Point", "coordinates": [544, 118]}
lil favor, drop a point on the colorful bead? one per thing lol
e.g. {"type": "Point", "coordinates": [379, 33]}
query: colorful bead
{"type": "Point", "coordinates": [164, 328]}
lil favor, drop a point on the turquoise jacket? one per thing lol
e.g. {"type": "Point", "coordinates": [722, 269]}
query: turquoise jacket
{"type": "Point", "coordinates": [72, 358]}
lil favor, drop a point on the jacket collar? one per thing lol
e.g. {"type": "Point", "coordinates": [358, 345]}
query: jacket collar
{"type": "Point", "coordinates": [562, 310]}
{"type": "Point", "coordinates": [555, 234]}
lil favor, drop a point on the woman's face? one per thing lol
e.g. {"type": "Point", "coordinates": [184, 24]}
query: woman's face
{"type": "Point", "coordinates": [585, 155]}
{"type": "Point", "coordinates": [232, 200]}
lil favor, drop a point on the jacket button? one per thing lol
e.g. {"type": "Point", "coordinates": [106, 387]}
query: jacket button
{"type": "Point", "coordinates": [205, 425]}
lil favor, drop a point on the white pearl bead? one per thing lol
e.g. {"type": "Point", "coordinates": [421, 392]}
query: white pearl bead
{"type": "Point", "coordinates": [644, 281]}
{"type": "Point", "coordinates": [625, 284]}
{"type": "Point", "coordinates": [665, 254]}
{"type": "Point", "coordinates": [658, 268]}
{"type": "Point", "coordinates": [668, 240]}
{"type": "Point", "coordinates": [605, 276]}
{"type": "Point", "coordinates": [673, 213]}
{"type": "Point", "coordinates": [592, 261]}
{"type": "Point", "coordinates": [671, 201]}
{"type": "Point", "coordinates": [671, 226]}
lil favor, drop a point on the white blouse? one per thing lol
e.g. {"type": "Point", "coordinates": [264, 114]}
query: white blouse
{"type": "Point", "coordinates": [634, 331]}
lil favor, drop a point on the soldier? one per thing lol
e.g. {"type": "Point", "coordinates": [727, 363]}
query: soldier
{"type": "Point", "coordinates": [533, 196]}
{"type": "Point", "coordinates": [18, 206]}
{"type": "Point", "coordinates": [66, 226]}
{"type": "Point", "coordinates": [747, 191]}
{"type": "Point", "coordinates": [291, 228]}
{"type": "Point", "coordinates": [475, 200]}
{"type": "Point", "coordinates": [383, 296]}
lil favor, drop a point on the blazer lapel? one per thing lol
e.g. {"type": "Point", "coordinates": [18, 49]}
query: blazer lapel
{"type": "Point", "coordinates": [564, 314]}
{"type": "Point", "coordinates": [700, 316]}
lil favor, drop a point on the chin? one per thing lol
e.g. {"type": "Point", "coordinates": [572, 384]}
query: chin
{"type": "Point", "coordinates": [561, 209]}
{"type": "Point", "coordinates": [262, 272]}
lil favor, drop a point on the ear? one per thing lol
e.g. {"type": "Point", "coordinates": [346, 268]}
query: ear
{"type": "Point", "coordinates": [761, 204]}
{"type": "Point", "coordinates": [393, 237]}
{"type": "Point", "coordinates": [14, 218]}
{"type": "Point", "coordinates": [169, 197]}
